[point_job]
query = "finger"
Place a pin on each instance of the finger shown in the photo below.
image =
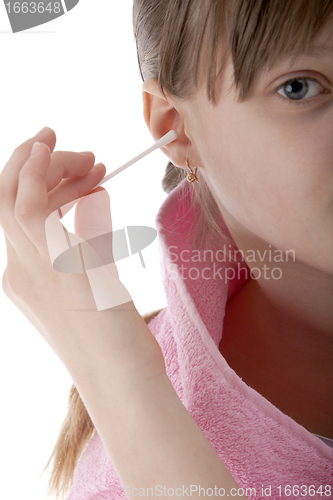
(12, 278)
(66, 164)
(9, 245)
(17, 238)
(59, 240)
(10, 172)
(9, 183)
(70, 190)
(92, 219)
(11, 252)
(31, 206)
(94, 225)
(93, 214)
(31, 210)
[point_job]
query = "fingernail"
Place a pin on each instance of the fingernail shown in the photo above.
(86, 153)
(36, 149)
(43, 131)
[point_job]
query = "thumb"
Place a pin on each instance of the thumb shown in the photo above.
(93, 214)
(93, 224)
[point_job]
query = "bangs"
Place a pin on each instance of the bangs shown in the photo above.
(255, 33)
(264, 31)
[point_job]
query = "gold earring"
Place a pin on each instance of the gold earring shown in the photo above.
(192, 176)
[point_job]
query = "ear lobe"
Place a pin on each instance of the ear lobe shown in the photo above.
(161, 116)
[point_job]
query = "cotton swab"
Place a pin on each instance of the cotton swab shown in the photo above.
(166, 139)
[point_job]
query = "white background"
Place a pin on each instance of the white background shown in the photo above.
(78, 75)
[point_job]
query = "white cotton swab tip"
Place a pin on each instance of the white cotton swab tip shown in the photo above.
(166, 139)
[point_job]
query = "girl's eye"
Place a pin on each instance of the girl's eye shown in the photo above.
(299, 88)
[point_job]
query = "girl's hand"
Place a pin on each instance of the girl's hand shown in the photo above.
(114, 360)
(32, 187)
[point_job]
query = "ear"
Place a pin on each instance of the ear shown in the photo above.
(162, 114)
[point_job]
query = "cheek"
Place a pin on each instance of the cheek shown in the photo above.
(246, 167)
(274, 175)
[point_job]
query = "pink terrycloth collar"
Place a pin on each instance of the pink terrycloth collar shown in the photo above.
(205, 294)
(205, 273)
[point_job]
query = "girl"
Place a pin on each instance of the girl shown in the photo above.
(229, 390)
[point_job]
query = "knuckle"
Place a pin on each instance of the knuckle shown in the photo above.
(28, 171)
(21, 214)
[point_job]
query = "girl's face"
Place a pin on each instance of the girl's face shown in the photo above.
(269, 160)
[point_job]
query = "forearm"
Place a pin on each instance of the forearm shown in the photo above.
(150, 436)
(153, 440)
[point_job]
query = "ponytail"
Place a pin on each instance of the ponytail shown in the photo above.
(75, 433)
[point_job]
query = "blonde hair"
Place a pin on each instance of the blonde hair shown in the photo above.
(75, 433)
(173, 40)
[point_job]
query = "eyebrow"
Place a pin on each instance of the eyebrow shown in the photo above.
(311, 50)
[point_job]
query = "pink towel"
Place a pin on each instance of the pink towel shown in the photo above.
(263, 448)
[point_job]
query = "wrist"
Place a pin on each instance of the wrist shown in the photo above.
(115, 343)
